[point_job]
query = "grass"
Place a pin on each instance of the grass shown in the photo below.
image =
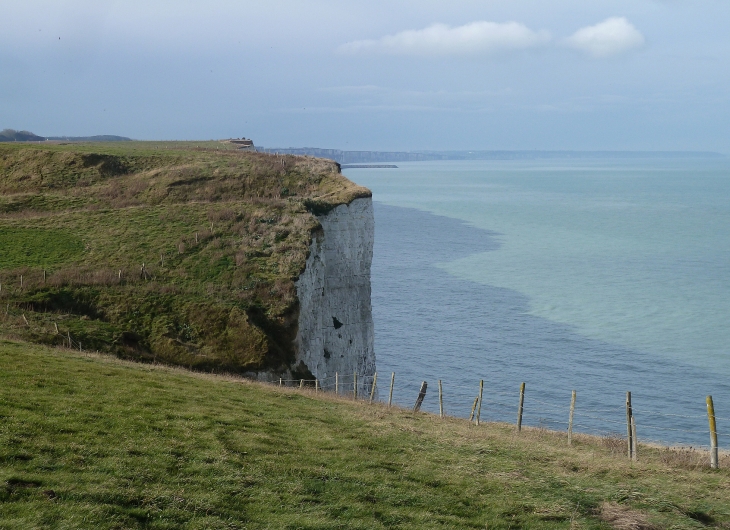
(90, 441)
(33, 247)
(184, 253)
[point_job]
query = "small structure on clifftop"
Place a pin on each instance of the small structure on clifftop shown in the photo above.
(242, 143)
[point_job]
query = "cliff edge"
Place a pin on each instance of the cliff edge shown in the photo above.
(187, 254)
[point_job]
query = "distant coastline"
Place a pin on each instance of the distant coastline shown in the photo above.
(369, 166)
(365, 157)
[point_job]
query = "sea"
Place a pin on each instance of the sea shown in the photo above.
(599, 276)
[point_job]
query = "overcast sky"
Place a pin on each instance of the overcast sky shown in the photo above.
(387, 75)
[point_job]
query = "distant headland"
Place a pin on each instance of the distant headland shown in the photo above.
(11, 135)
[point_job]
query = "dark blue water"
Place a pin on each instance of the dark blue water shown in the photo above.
(432, 325)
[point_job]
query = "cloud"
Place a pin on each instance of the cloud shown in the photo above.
(613, 36)
(475, 38)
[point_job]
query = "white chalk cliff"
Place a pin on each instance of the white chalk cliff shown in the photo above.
(335, 332)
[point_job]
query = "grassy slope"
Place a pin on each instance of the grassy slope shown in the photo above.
(95, 442)
(222, 234)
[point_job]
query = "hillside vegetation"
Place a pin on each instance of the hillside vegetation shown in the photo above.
(89, 441)
(171, 252)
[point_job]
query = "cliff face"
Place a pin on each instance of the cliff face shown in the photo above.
(335, 331)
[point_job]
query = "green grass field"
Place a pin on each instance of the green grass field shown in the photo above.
(89, 441)
(177, 252)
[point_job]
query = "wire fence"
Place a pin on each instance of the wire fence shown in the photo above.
(471, 399)
(483, 404)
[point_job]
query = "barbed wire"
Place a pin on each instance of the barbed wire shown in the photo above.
(656, 427)
(669, 415)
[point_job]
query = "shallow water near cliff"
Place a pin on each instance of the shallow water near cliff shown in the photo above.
(596, 275)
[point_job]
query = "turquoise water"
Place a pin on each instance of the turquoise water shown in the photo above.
(619, 256)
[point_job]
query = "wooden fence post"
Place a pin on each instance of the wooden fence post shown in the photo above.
(714, 461)
(372, 389)
(44, 276)
(479, 405)
(316, 385)
(337, 382)
(280, 381)
(301, 383)
(634, 440)
(441, 400)
(69, 340)
(21, 281)
(354, 385)
(570, 419)
(473, 408)
(421, 395)
(629, 414)
(390, 396)
(519, 410)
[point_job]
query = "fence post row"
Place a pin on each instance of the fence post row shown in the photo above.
(479, 404)
(519, 409)
(421, 395)
(632, 446)
(570, 419)
(714, 462)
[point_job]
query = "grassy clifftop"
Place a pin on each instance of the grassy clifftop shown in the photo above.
(95, 442)
(174, 252)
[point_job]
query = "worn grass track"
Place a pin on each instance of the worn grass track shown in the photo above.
(88, 441)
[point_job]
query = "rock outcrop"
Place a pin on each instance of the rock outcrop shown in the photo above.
(335, 333)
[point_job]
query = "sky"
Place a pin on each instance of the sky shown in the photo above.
(373, 75)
